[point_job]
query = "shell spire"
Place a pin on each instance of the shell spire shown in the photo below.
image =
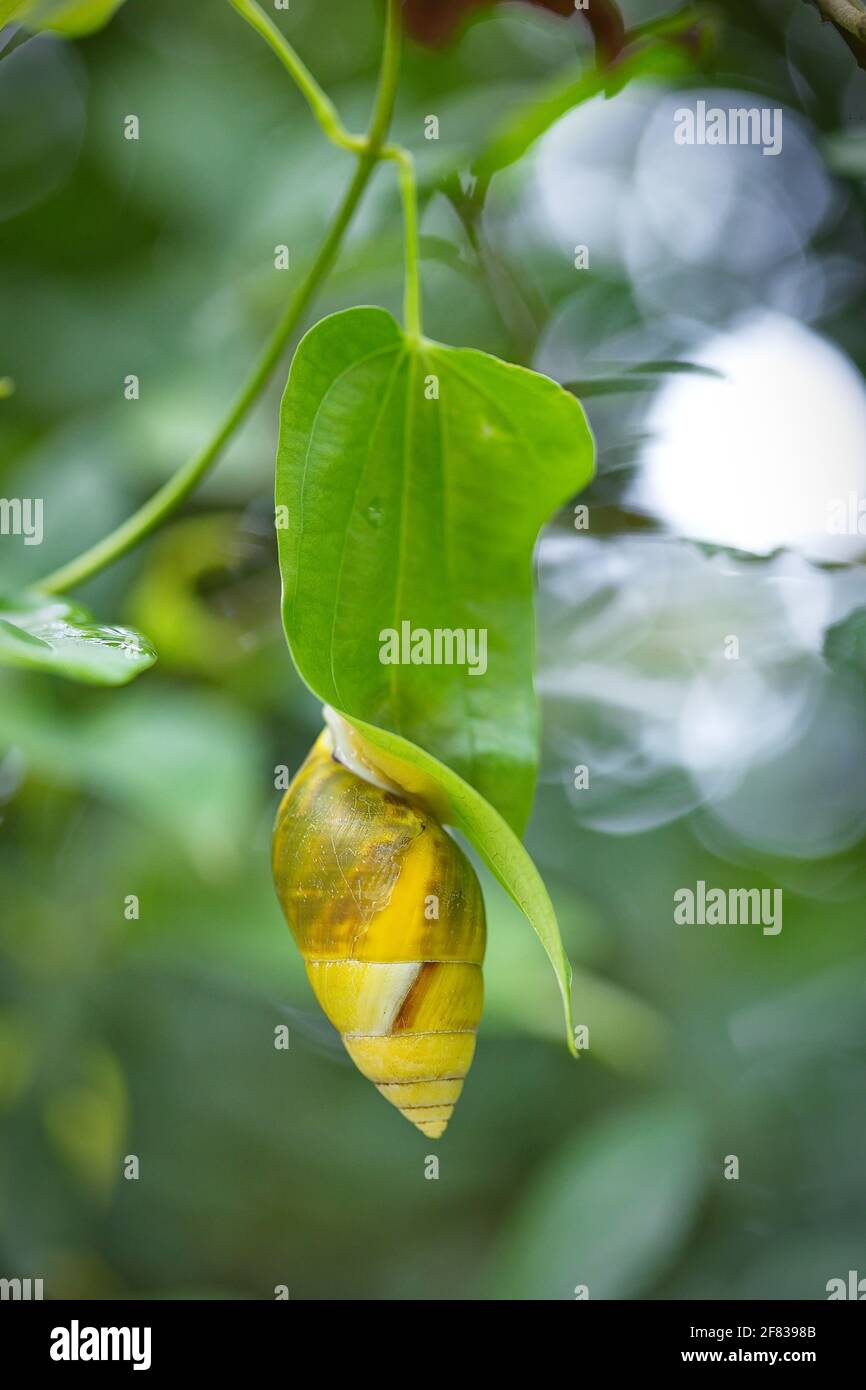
(389, 917)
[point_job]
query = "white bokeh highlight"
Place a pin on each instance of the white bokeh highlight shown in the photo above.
(770, 454)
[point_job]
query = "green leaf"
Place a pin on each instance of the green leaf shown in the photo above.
(185, 762)
(639, 376)
(48, 634)
(667, 51)
(394, 760)
(609, 1211)
(845, 642)
(845, 646)
(72, 18)
(846, 153)
(86, 1120)
(404, 510)
(626, 1034)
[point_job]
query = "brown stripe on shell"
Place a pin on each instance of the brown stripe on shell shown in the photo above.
(412, 1002)
(355, 868)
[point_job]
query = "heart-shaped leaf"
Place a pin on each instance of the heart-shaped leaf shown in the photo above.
(49, 634)
(412, 482)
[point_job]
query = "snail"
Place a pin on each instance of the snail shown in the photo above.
(389, 917)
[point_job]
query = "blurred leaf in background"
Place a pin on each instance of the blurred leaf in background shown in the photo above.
(72, 18)
(609, 1213)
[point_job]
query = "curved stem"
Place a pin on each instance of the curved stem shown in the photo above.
(318, 101)
(172, 493)
(389, 74)
(178, 487)
(409, 193)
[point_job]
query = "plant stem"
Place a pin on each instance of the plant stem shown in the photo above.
(388, 77)
(178, 487)
(509, 299)
(318, 101)
(172, 493)
(409, 194)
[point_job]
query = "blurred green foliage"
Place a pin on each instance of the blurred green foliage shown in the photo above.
(154, 1035)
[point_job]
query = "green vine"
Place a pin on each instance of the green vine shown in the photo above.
(369, 150)
(319, 102)
(409, 194)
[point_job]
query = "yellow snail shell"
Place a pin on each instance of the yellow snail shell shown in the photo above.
(389, 917)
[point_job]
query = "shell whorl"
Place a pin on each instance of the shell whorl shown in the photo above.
(389, 917)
